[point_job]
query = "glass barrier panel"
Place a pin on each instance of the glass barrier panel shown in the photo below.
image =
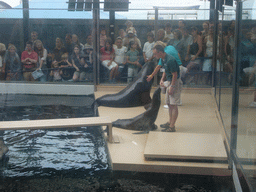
(143, 25)
(219, 61)
(226, 74)
(54, 41)
(246, 136)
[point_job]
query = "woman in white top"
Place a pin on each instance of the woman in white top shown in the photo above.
(207, 64)
(42, 55)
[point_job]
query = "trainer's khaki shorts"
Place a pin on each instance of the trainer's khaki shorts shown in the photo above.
(174, 99)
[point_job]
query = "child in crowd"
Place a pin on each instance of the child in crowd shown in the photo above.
(148, 48)
(66, 67)
(64, 61)
(129, 27)
(56, 72)
(133, 61)
(120, 52)
(103, 37)
(121, 34)
(107, 54)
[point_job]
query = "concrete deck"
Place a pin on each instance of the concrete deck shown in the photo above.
(197, 115)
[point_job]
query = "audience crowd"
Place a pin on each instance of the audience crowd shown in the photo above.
(71, 60)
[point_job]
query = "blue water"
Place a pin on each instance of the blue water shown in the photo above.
(40, 152)
(44, 152)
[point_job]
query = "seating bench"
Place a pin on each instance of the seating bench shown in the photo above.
(59, 123)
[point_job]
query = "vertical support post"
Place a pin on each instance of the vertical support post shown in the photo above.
(235, 91)
(25, 21)
(222, 61)
(215, 46)
(96, 42)
(156, 29)
(112, 25)
(212, 7)
(156, 22)
(110, 133)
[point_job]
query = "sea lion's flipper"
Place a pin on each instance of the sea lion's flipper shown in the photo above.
(154, 127)
(147, 106)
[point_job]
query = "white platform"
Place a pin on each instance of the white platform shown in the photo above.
(186, 146)
(128, 155)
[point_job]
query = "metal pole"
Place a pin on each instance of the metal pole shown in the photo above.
(235, 91)
(95, 34)
(215, 46)
(212, 7)
(222, 61)
(25, 20)
(112, 25)
(156, 29)
(156, 22)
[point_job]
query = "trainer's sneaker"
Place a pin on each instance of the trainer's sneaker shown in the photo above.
(169, 129)
(166, 107)
(252, 104)
(166, 125)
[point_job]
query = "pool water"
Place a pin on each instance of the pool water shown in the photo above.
(74, 159)
(44, 152)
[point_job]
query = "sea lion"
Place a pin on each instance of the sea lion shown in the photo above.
(145, 121)
(3, 149)
(137, 93)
